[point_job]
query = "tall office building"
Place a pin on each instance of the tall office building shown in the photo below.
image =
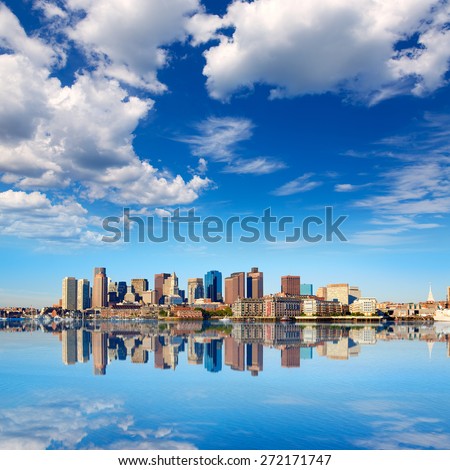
(159, 287)
(338, 292)
(195, 289)
(121, 290)
(255, 287)
(83, 294)
(139, 286)
(69, 293)
(100, 289)
(234, 287)
(290, 285)
(306, 289)
(354, 293)
(322, 293)
(213, 286)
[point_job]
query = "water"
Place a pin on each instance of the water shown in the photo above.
(190, 385)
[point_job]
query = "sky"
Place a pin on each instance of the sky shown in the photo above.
(230, 109)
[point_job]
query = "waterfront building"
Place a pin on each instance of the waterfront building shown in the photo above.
(338, 292)
(306, 289)
(280, 307)
(290, 285)
(148, 297)
(255, 284)
(318, 307)
(234, 287)
(213, 286)
(195, 289)
(248, 308)
(83, 294)
(100, 289)
(364, 306)
(69, 293)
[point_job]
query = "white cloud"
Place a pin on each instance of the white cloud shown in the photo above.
(54, 136)
(299, 185)
(255, 166)
(312, 47)
(126, 39)
(34, 216)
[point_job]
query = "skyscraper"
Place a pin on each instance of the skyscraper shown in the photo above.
(83, 294)
(290, 285)
(100, 289)
(69, 293)
(159, 287)
(213, 286)
(195, 289)
(306, 289)
(255, 287)
(139, 286)
(234, 287)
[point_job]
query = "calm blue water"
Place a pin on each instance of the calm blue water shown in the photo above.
(224, 386)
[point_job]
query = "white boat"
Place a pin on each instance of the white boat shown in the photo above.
(442, 315)
(225, 319)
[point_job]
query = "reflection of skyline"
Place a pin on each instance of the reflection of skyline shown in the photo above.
(239, 347)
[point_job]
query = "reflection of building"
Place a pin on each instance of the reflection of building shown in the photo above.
(195, 351)
(69, 346)
(342, 349)
(290, 285)
(213, 286)
(69, 293)
(234, 287)
(234, 354)
(255, 357)
(83, 345)
(213, 355)
(290, 357)
(99, 352)
(255, 284)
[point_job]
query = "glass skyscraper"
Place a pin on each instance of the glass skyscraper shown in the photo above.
(213, 286)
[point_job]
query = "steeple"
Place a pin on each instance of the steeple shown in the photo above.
(430, 296)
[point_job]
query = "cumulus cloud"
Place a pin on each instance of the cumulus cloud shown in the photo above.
(364, 47)
(104, 33)
(54, 136)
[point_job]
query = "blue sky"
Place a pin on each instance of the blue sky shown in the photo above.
(229, 108)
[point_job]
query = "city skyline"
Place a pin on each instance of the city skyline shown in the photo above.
(182, 109)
